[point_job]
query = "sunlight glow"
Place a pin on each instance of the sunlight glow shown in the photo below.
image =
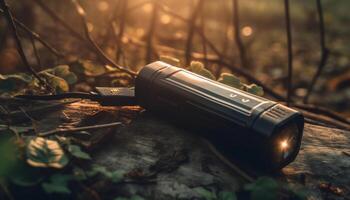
(179, 35)
(147, 8)
(81, 11)
(165, 19)
(103, 6)
(90, 27)
(247, 31)
(125, 39)
(229, 33)
(140, 32)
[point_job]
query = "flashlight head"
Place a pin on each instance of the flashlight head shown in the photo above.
(282, 130)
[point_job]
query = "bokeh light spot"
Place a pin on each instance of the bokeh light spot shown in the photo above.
(247, 31)
(140, 32)
(90, 27)
(165, 19)
(103, 6)
(147, 8)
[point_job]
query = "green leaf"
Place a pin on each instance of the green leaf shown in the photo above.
(58, 184)
(234, 81)
(79, 174)
(170, 60)
(24, 175)
(300, 194)
(254, 89)
(115, 176)
(264, 188)
(14, 82)
(76, 151)
(88, 68)
(230, 80)
(198, 68)
(64, 72)
(206, 194)
(59, 84)
(45, 153)
(97, 169)
(8, 152)
(135, 197)
(227, 196)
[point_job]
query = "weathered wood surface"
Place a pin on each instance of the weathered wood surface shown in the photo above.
(175, 161)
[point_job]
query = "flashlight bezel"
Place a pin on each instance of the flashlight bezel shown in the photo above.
(275, 152)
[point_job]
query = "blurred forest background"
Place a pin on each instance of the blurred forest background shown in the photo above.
(133, 33)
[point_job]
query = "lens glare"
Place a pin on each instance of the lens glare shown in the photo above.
(286, 142)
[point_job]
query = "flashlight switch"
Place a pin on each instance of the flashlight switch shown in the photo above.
(115, 96)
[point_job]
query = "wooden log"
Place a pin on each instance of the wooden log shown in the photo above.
(162, 161)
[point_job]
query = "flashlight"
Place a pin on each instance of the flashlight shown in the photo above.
(253, 127)
(263, 130)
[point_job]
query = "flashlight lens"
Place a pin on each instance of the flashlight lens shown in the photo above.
(285, 143)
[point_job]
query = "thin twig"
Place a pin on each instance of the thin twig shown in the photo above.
(6, 192)
(290, 51)
(89, 41)
(327, 121)
(225, 41)
(218, 60)
(78, 129)
(20, 50)
(111, 22)
(228, 163)
(324, 51)
(191, 29)
(322, 111)
(204, 44)
(138, 5)
(3, 36)
(124, 6)
(57, 19)
(151, 30)
(35, 35)
(237, 28)
(222, 60)
(96, 48)
(34, 122)
(36, 54)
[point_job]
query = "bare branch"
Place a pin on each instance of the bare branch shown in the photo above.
(36, 36)
(324, 52)
(204, 44)
(290, 51)
(96, 48)
(13, 28)
(77, 129)
(35, 52)
(59, 20)
(151, 30)
(89, 41)
(124, 6)
(191, 29)
(237, 28)
(222, 60)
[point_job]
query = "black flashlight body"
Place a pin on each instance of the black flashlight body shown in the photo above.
(261, 129)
